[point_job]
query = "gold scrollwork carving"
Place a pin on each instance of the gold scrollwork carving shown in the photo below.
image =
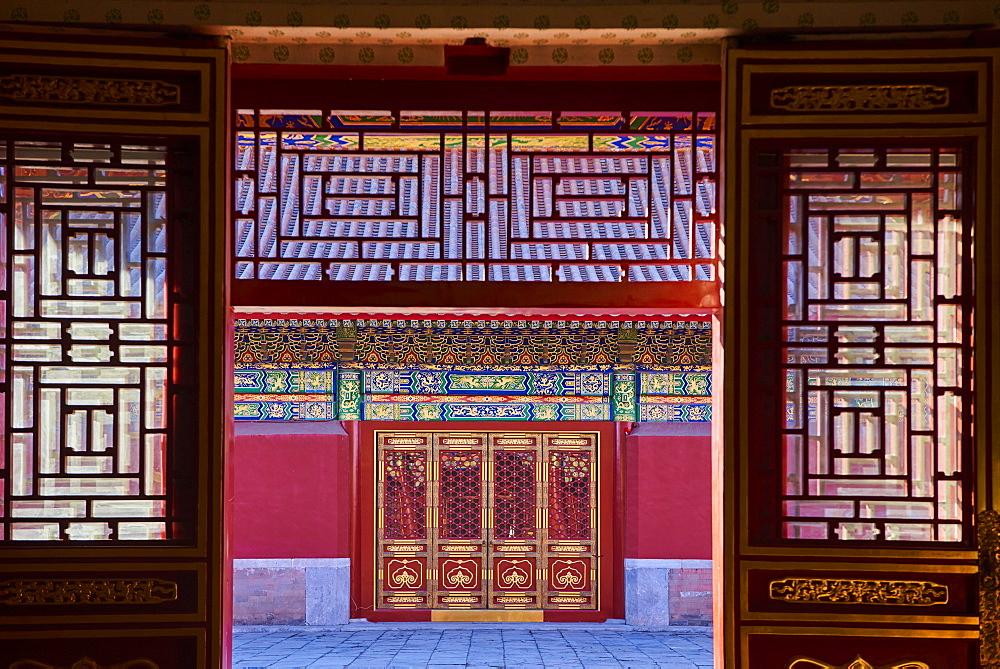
(859, 98)
(857, 663)
(858, 591)
(89, 90)
(87, 663)
(988, 522)
(88, 591)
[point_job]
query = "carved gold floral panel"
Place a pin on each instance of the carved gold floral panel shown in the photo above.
(88, 591)
(859, 98)
(858, 663)
(859, 591)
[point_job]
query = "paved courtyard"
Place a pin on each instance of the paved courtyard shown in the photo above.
(472, 645)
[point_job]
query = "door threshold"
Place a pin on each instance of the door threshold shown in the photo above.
(480, 615)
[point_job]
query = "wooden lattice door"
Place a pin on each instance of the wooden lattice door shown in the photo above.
(857, 414)
(487, 520)
(112, 340)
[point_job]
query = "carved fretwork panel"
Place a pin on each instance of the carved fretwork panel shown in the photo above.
(876, 342)
(475, 196)
(112, 351)
(487, 521)
(858, 356)
(89, 341)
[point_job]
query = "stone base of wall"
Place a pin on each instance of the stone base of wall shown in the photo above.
(668, 592)
(316, 591)
(292, 591)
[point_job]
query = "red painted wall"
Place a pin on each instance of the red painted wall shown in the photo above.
(292, 490)
(668, 491)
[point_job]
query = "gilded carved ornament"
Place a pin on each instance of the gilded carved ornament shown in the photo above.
(87, 663)
(89, 90)
(859, 98)
(87, 591)
(858, 591)
(857, 663)
(988, 523)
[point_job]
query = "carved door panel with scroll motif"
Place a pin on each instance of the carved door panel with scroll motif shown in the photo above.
(856, 429)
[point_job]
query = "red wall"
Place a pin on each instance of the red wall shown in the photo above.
(292, 490)
(668, 491)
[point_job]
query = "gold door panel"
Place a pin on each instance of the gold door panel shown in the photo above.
(477, 520)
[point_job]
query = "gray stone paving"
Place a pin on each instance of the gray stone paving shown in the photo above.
(472, 645)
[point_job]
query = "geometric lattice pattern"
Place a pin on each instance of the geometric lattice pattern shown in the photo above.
(404, 494)
(460, 494)
(466, 521)
(569, 495)
(877, 335)
(472, 370)
(515, 494)
(88, 347)
(474, 196)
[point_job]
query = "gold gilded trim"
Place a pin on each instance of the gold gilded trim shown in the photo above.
(89, 90)
(989, 588)
(858, 591)
(858, 663)
(87, 663)
(88, 591)
(921, 97)
(485, 615)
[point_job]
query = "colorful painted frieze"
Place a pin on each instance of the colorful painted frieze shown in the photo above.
(471, 370)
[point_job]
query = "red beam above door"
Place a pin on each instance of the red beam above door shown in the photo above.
(262, 293)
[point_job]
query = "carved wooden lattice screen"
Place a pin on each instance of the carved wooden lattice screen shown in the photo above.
(88, 339)
(475, 196)
(877, 337)
(112, 366)
(487, 521)
(859, 214)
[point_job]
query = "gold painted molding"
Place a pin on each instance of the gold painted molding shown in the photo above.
(492, 616)
(988, 522)
(859, 98)
(87, 591)
(87, 663)
(858, 663)
(858, 591)
(89, 90)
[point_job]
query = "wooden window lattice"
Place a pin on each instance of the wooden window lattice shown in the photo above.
(88, 344)
(877, 336)
(475, 196)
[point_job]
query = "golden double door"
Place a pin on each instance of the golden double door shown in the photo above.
(476, 520)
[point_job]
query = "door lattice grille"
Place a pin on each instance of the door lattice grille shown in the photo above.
(876, 336)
